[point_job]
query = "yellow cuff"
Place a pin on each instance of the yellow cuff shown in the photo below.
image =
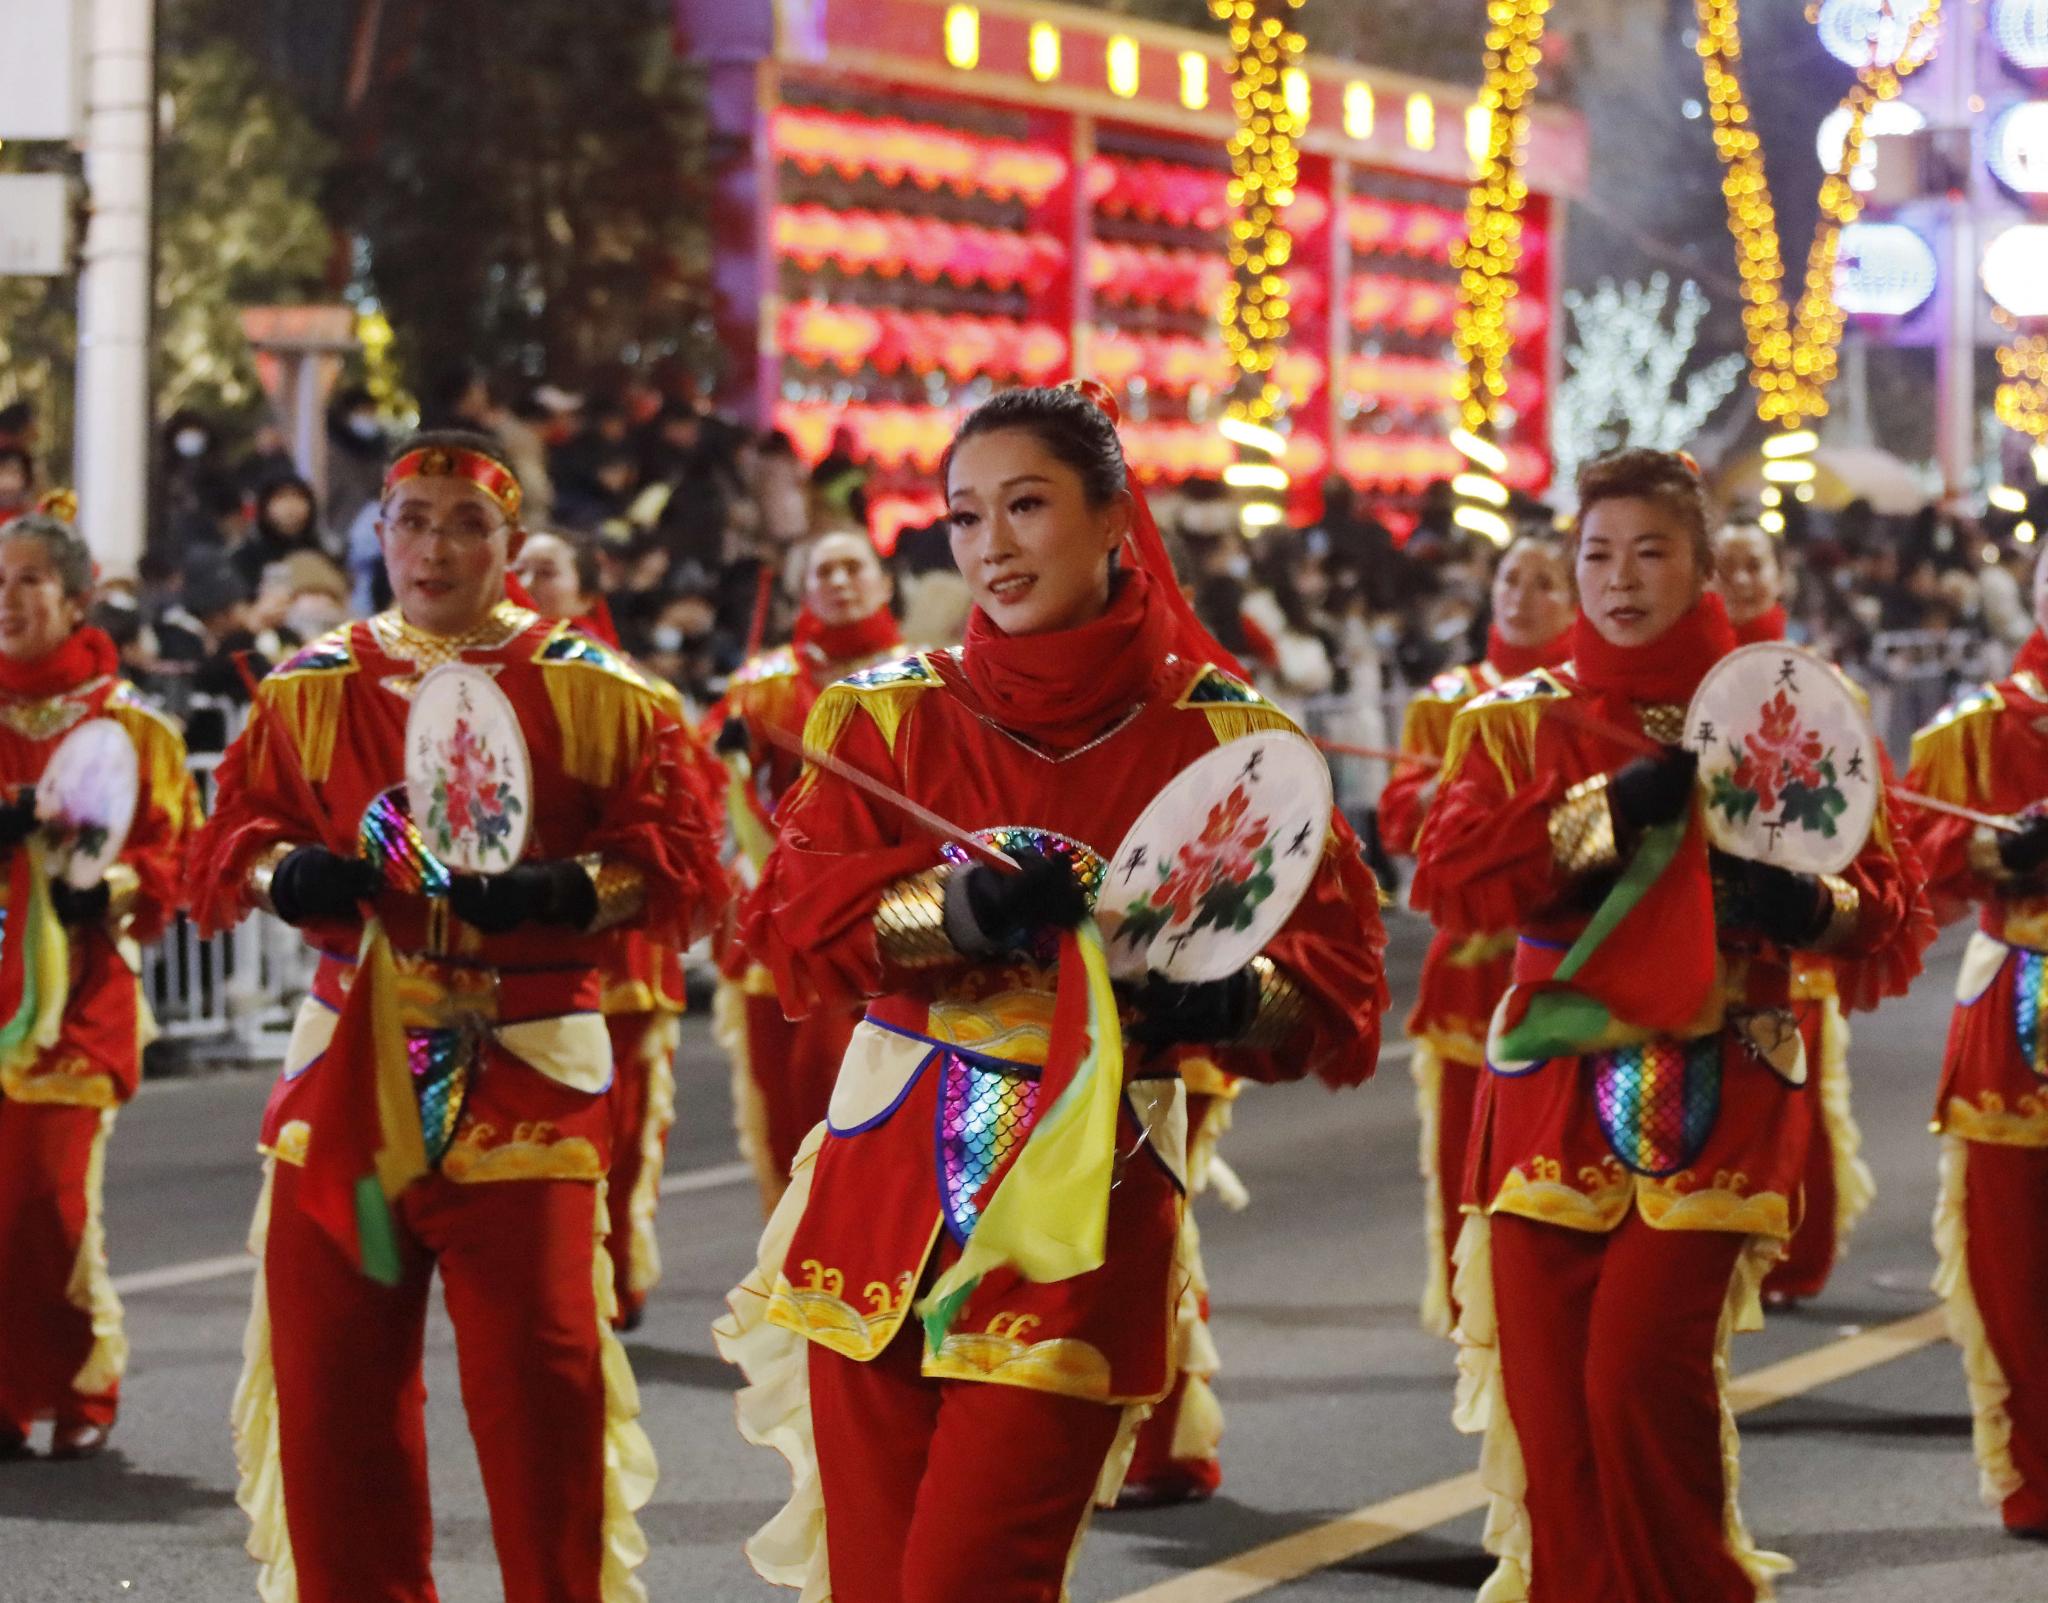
(256, 889)
(1281, 1012)
(621, 891)
(124, 886)
(1845, 914)
(1582, 829)
(910, 922)
(1983, 857)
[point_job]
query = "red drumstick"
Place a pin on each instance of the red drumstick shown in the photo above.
(1338, 748)
(2005, 826)
(944, 828)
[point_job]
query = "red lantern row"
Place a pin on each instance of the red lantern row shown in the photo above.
(1185, 197)
(1174, 364)
(1402, 228)
(1179, 280)
(921, 154)
(891, 244)
(1409, 462)
(1421, 306)
(852, 337)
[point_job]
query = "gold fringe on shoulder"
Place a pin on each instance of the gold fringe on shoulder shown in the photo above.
(886, 704)
(1504, 730)
(1234, 720)
(311, 705)
(160, 753)
(605, 719)
(1952, 756)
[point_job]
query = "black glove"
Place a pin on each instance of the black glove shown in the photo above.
(1192, 1012)
(527, 893)
(1653, 790)
(2026, 853)
(74, 906)
(315, 883)
(733, 739)
(17, 819)
(1779, 904)
(1007, 909)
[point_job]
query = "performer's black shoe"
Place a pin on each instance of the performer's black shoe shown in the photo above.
(14, 1443)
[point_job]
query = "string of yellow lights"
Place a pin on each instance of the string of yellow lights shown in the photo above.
(2022, 399)
(1270, 97)
(1792, 349)
(1489, 255)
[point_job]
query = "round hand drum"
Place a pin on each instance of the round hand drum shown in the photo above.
(1218, 861)
(1789, 768)
(468, 779)
(86, 801)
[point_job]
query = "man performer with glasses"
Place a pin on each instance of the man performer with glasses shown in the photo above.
(444, 1096)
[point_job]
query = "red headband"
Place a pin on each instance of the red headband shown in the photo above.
(455, 461)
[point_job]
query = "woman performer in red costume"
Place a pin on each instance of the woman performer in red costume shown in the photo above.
(643, 984)
(958, 1460)
(1988, 751)
(1462, 979)
(62, 1349)
(1838, 1185)
(1638, 1144)
(782, 1067)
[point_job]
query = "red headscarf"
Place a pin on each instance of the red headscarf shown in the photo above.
(1668, 669)
(826, 643)
(86, 654)
(1765, 626)
(1513, 661)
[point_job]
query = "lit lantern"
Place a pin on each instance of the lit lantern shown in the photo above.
(2018, 151)
(1885, 119)
(1358, 110)
(1194, 79)
(2012, 270)
(1044, 51)
(963, 37)
(1883, 270)
(1123, 65)
(1421, 122)
(1876, 32)
(2021, 29)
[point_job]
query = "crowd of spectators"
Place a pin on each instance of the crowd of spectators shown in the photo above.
(694, 522)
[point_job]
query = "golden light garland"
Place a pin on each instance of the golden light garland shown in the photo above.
(1265, 164)
(2022, 399)
(1792, 350)
(1491, 251)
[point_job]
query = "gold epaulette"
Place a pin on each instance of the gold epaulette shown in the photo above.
(307, 689)
(1502, 722)
(1234, 709)
(1952, 754)
(768, 665)
(604, 706)
(884, 692)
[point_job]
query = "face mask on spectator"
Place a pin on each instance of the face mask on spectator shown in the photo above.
(365, 426)
(665, 637)
(190, 442)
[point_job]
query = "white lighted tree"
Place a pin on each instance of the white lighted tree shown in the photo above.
(1624, 372)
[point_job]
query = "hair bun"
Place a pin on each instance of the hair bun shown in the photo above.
(61, 504)
(1098, 392)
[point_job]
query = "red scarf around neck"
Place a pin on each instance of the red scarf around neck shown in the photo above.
(1066, 686)
(828, 644)
(2033, 656)
(1765, 626)
(1668, 669)
(1513, 661)
(86, 654)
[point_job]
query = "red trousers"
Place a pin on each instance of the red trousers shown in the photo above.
(1810, 1254)
(1607, 1347)
(516, 1261)
(46, 1152)
(1457, 1097)
(2005, 1209)
(794, 1062)
(643, 1105)
(945, 1491)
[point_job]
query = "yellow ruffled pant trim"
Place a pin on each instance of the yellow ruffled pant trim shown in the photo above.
(1998, 1477)
(1855, 1185)
(629, 1467)
(90, 1288)
(749, 1112)
(259, 1486)
(1481, 1409)
(643, 1253)
(774, 1408)
(1426, 1067)
(1744, 1310)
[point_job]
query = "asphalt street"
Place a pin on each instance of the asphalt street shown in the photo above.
(1336, 1401)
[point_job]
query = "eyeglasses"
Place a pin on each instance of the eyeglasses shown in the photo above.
(465, 524)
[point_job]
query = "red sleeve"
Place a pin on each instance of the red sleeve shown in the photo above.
(254, 808)
(1409, 791)
(1484, 862)
(811, 918)
(1333, 948)
(659, 820)
(1895, 921)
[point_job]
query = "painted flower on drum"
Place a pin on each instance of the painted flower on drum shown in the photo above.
(1215, 881)
(1781, 770)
